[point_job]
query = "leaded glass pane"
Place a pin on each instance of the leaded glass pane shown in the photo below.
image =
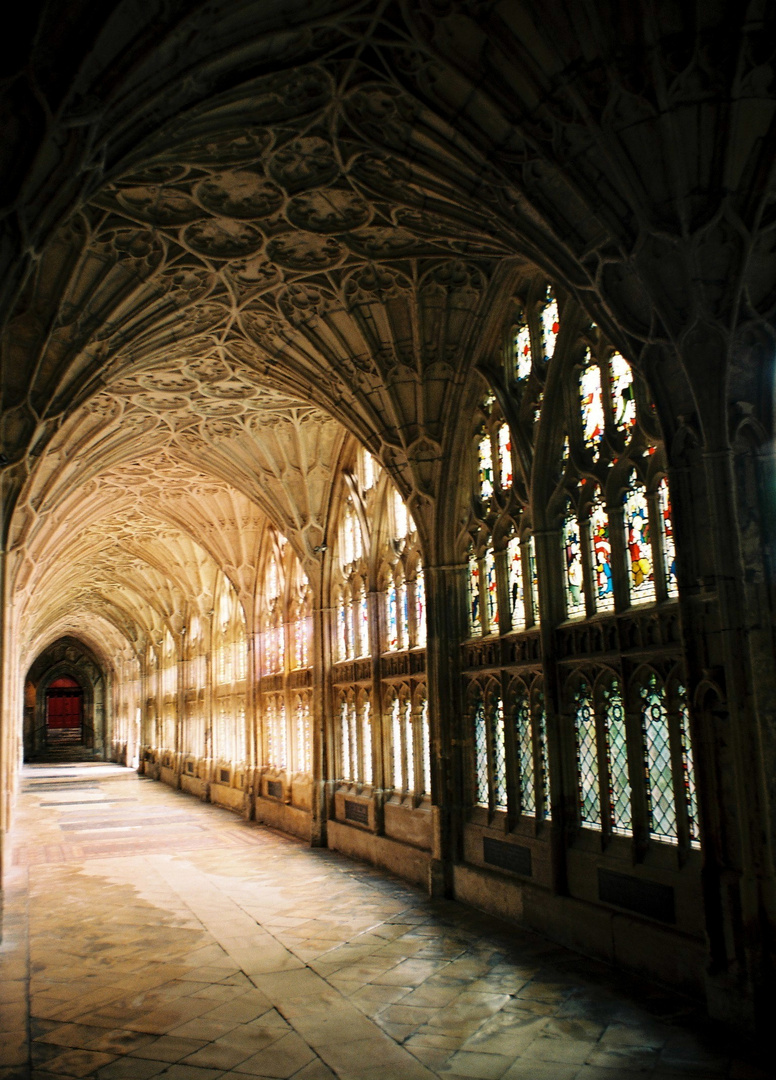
(420, 607)
(525, 755)
(481, 754)
(345, 740)
(666, 525)
(426, 741)
(282, 739)
(409, 744)
(587, 758)
(398, 772)
(516, 598)
(533, 578)
(491, 591)
(602, 556)
(342, 628)
(475, 621)
(403, 616)
(400, 516)
(393, 631)
(572, 549)
(505, 457)
(367, 470)
(485, 467)
(592, 406)
(688, 769)
(637, 539)
(623, 400)
(366, 740)
(617, 752)
(657, 761)
(499, 752)
(362, 636)
(523, 358)
(353, 731)
(550, 325)
(540, 722)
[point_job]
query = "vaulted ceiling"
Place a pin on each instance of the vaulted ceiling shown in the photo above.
(239, 231)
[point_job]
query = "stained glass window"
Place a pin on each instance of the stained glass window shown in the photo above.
(516, 598)
(540, 725)
(635, 514)
(688, 769)
(657, 761)
(398, 772)
(572, 548)
(602, 556)
(592, 405)
(498, 740)
(505, 457)
(367, 470)
(525, 757)
(550, 324)
(420, 607)
(533, 577)
(343, 627)
(481, 753)
(403, 615)
(426, 744)
(587, 758)
(623, 399)
(352, 541)
(362, 616)
(669, 551)
(345, 740)
(393, 631)
(491, 589)
(400, 516)
(523, 358)
(303, 747)
(617, 753)
(475, 620)
(366, 740)
(485, 466)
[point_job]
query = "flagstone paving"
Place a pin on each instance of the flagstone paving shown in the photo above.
(146, 935)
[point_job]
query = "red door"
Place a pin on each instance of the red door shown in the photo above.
(64, 704)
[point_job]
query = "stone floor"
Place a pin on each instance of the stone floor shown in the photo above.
(146, 934)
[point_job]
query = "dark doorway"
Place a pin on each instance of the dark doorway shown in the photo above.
(64, 713)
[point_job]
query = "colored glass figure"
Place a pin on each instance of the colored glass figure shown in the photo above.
(523, 357)
(491, 590)
(587, 758)
(635, 515)
(498, 738)
(420, 607)
(533, 580)
(516, 597)
(538, 407)
(575, 595)
(592, 406)
(617, 754)
(400, 516)
(505, 457)
(475, 621)
(425, 733)
(540, 720)
(409, 744)
(485, 467)
(623, 399)
(602, 556)
(404, 616)
(481, 754)
(393, 632)
(345, 740)
(366, 740)
(688, 770)
(398, 772)
(363, 623)
(525, 755)
(657, 761)
(342, 628)
(550, 325)
(666, 525)
(566, 449)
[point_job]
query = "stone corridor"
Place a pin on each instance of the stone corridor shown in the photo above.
(146, 934)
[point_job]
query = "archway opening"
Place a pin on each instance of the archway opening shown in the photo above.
(64, 713)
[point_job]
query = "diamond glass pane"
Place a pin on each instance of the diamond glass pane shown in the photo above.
(491, 590)
(688, 769)
(623, 400)
(345, 741)
(353, 724)
(426, 740)
(525, 755)
(398, 774)
(366, 741)
(523, 358)
(499, 752)
(617, 763)
(587, 759)
(657, 762)
(515, 569)
(481, 754)
(635, 515)
(550, 324)
(666, 525)
(602, 556)
(592, 406)
(572, 550)
(540, 727)
(409, 744)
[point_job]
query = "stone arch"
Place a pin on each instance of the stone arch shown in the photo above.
(72, 658)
